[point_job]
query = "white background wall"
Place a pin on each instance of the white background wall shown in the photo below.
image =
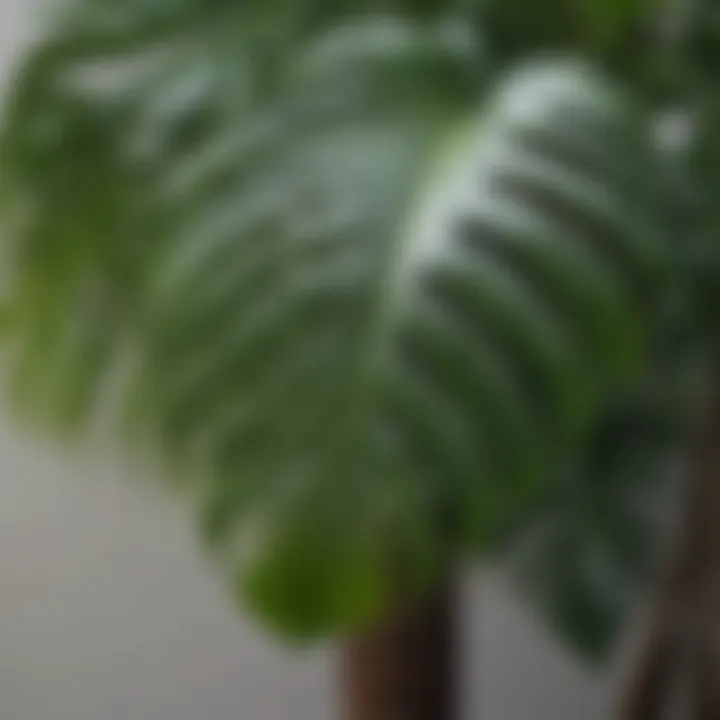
(107, 611)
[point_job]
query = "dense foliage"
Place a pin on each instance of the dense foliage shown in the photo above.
(380, 286)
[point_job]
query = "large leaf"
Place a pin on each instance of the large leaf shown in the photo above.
(585, 564)
(107, 184)
(347, 390)
(98, 121)
(362, 363)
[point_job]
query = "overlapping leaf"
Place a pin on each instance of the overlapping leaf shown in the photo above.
(584, 563)
(361, 363)
(602, 540)
(191, 157)
(358, 387)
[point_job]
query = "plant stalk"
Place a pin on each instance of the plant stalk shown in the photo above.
(406, 668)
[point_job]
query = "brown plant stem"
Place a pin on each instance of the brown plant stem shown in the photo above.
(406, 668)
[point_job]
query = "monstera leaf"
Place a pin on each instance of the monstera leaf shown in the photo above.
(362, 323)
(100, 129)
(584, 565)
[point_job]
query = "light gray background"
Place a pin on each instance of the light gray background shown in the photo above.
(108, 612)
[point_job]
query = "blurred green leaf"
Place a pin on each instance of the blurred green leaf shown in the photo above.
(369, 310)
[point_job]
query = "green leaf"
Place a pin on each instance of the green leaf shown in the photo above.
(448, 367)
(587, 559)
(360, 351)
(584, 565)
